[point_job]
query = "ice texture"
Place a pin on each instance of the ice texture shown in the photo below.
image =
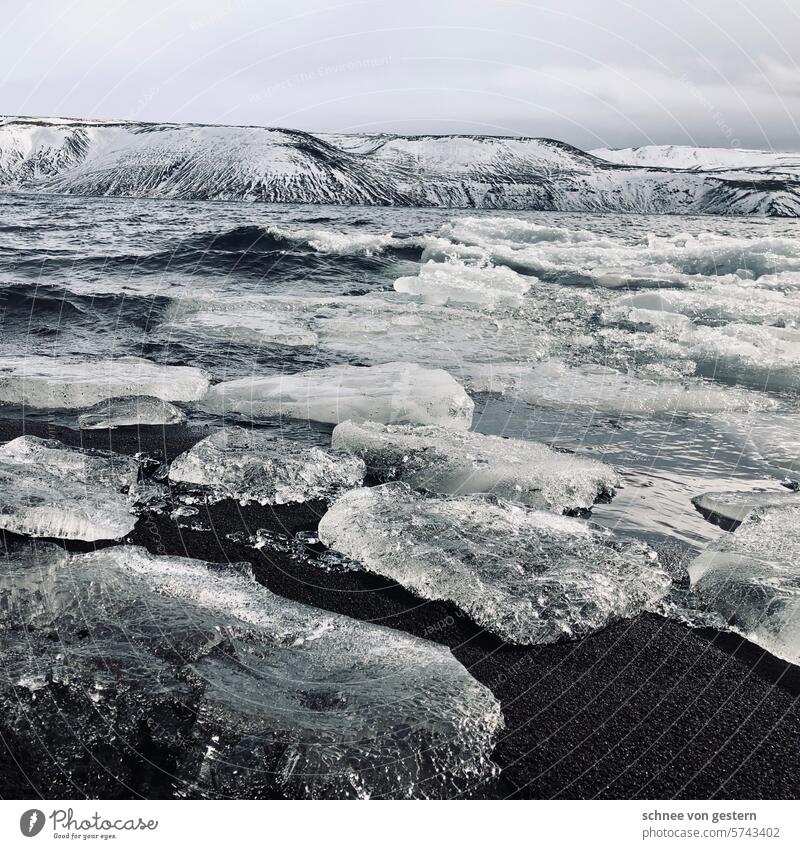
(455, 282)
(752, 579)
(282, 699)
(50, 490)
(262, 466)
(555, 384)
(732, 507)
(444, 461)
(391, 392)
(132, 410)
(256, 328)
(70, 383)
(384, 329)
(529, 576)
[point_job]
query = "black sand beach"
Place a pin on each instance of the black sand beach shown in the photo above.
(644, 709)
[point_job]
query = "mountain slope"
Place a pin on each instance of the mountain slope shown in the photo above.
(212, 162)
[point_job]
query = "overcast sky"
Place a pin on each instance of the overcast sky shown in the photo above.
(591, 72)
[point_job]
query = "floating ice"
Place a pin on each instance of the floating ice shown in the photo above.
(529, 576)
(69, 383)
(384, 329)
(606, 390)
(752, 579)
(456, 282)
(579, 257)
(730, 508)
(258, 328)
(133, 410)
(727, 303)
(263, 466)
(50, 490)
(392, 392)
(276, 696)
(441, 460)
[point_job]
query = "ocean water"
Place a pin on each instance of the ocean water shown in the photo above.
(657, 344)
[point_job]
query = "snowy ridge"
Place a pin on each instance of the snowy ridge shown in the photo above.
(195, 161)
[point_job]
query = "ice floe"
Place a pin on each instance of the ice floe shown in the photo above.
(731, 508)
(752, 579)
(274, 696)
(256, 328)
(529, 576)
(132, 410)
(455, 282)
(441, 460)
(262, 466)
(50, 490)
(70, 383)
(554, 384)
(391, 392)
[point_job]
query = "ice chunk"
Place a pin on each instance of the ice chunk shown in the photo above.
(256, 328)
(455, 282)
(444, 461)
(752, 579)
(50, 490)
(69, 383)
(373, 329)
(282, 698)
(392, 392)
(554, 384)
(529, 576)
(262, 466)
(132, 410)
(730, 508)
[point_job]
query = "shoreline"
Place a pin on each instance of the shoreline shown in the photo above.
(646, 708)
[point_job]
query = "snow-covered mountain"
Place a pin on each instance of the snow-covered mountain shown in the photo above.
(685, 157)
(212, 162)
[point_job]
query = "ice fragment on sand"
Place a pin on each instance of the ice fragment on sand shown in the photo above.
(262, 466)
(444, 461)
(392, 392)
(529, 576)
(69, 383)
(129, 411)
(729, 508)
(50, 490)
(283, 698)
(752, 579)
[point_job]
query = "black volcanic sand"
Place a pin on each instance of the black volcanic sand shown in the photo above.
(644, 709)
